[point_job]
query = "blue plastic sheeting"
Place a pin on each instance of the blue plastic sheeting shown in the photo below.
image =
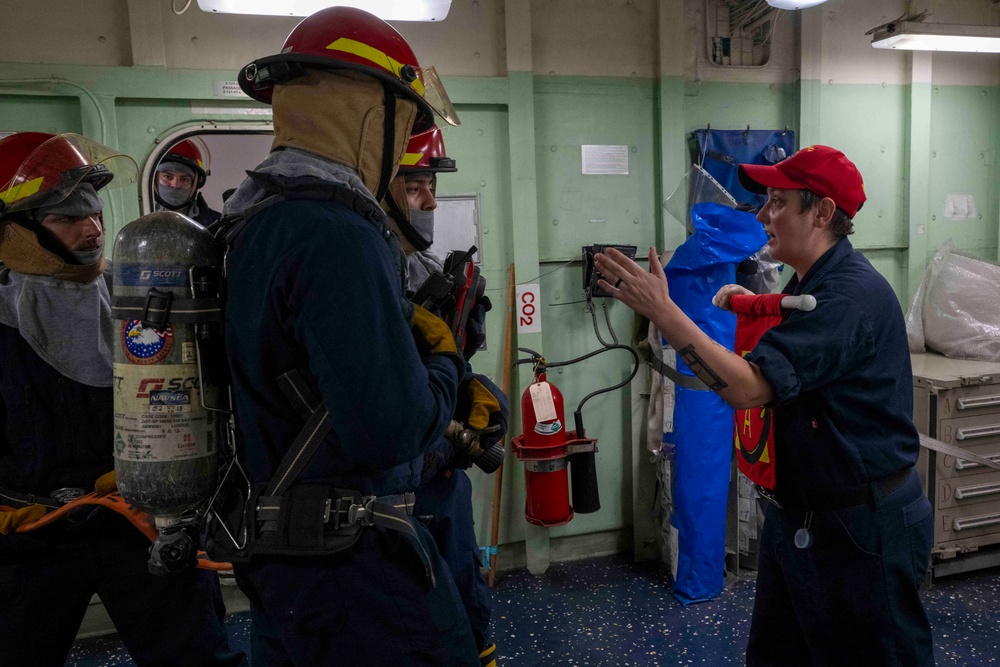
(720, 151)
(703, 422)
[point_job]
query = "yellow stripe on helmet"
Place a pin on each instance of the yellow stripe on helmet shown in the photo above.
(370, 53)
(21, 191)
(410, 159)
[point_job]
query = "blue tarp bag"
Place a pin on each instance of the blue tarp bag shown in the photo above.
(721, 151)
(703, 423)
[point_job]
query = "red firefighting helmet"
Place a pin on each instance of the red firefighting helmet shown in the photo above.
(425, 153)
(349, 38)
(195, 154)
(41, 169)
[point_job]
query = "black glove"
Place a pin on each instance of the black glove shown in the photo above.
(475, 327)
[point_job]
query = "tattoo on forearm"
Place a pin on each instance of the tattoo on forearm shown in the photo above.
(701, 370)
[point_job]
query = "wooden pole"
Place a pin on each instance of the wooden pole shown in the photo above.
(505, 387)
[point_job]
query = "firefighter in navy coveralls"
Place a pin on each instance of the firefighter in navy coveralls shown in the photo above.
(339, 572)
(444, 499)
(847, 537)
(180, 176)
(56, 427)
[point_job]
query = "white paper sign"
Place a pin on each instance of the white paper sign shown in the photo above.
(598, 159)
(228, 89)
(456, 225)
(960, 207)
(529, 311)
(542, 402)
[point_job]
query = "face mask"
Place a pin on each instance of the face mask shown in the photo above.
(423, 223)
(85, 257)
(173, 196)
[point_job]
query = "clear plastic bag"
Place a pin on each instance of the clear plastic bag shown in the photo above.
(954, 311)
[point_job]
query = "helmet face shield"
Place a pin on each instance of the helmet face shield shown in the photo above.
(58, 165)
(437, 97)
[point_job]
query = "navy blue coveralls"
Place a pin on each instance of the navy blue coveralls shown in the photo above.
(57, 433)
(444, 505)
(314, 286)
(845, 447)
(206, 216)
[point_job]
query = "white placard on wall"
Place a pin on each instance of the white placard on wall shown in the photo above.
(529, 309)
(456, 225)
(599, 159)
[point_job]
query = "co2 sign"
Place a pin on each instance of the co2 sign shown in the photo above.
(529, 309)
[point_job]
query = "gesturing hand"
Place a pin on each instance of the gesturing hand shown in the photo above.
(645, 292)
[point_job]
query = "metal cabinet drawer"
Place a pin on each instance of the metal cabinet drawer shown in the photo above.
(967, 527)
(949, 466)
(968, 401)
(980, 434)
(968, 489)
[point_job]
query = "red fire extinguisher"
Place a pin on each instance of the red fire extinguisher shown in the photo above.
(546, 448)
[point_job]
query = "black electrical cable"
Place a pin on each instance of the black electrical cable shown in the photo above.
(537, 359)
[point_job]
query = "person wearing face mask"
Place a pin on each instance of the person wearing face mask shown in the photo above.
(56, 427)
(180, 176)
(444, 498)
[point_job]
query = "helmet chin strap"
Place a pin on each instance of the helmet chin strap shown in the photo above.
(388, 143)
(402, 219)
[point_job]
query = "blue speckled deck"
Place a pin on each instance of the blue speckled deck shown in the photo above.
(611, 612)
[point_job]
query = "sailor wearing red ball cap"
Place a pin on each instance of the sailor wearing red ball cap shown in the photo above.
(847, 536)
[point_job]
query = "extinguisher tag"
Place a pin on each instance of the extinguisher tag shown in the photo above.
(541, 400)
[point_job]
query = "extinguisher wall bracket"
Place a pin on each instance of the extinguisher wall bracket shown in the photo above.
(579, 445)
(156, 312)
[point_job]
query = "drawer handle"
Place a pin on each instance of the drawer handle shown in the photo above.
(976, 490)
(962, 464)
(978, 402)
(976, 522)
(977, 432)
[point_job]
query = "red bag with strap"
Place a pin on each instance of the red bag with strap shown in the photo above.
(753, 433)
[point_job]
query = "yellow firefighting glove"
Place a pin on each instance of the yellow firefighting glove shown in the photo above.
(433, 331)
(483, 404)
(485, 411)
(106, 483)
(11, 518)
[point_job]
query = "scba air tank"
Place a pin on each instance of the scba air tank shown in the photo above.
(166, 440)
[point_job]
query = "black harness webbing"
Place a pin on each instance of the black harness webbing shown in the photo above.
(159, 309)
(19, 500)
(391, 512)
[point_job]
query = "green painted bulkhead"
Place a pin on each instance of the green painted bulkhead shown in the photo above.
(533, 81)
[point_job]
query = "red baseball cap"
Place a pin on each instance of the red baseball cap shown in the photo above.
(820, 169)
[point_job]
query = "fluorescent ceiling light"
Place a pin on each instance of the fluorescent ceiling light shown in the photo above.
(913, 36)
(794, 4)
(388, 10)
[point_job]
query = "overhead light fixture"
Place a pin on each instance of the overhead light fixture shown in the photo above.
(387, 10)
(917, 36)
(794, 4)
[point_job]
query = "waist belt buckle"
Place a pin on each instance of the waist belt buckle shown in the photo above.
(363, 513)
(339, 511)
